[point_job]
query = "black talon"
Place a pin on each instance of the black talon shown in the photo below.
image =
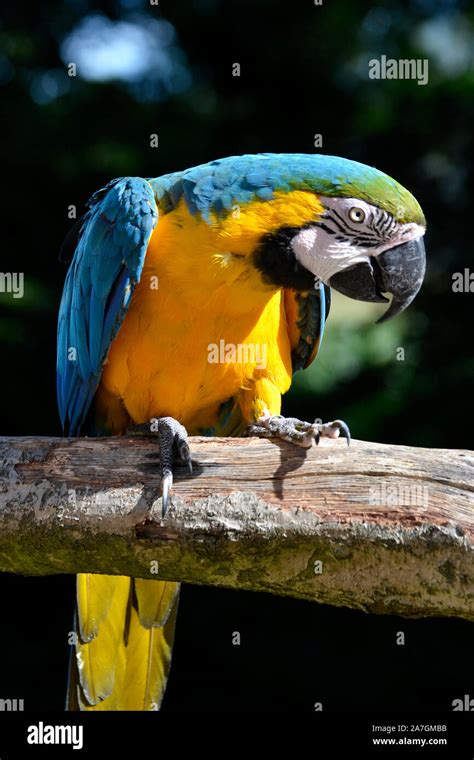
(344, 431)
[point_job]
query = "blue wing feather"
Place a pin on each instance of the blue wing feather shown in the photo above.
(107, 264)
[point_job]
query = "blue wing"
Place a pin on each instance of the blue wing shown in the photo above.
(105, 269)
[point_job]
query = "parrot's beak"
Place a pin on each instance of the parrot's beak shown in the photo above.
(399, 271)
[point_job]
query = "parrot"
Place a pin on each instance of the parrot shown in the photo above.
(163, 273)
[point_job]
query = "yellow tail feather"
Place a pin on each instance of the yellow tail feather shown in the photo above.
(102, 607)
(124, 638)
(155, 601)
(95, 594)
(148, 663)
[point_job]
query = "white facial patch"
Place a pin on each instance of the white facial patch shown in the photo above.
(354, 222)
(319, 253)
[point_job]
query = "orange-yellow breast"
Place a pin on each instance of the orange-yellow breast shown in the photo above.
(202, 326)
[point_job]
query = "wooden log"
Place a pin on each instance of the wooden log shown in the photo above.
(386, 529)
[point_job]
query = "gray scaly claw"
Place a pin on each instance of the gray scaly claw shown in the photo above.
(172, 437)
(299, 432)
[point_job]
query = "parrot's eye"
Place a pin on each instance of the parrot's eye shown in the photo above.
(356, 214)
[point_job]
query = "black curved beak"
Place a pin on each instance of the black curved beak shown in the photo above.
(399, 271)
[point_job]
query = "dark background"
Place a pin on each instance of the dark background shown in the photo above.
(167, 70)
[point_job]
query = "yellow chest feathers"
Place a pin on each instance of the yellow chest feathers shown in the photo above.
(201, 326)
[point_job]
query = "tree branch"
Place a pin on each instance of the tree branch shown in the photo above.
(387, 529)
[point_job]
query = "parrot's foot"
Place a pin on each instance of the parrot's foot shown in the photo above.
(296, 431)
(172, 437)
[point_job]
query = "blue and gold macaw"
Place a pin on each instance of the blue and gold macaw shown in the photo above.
(242, 252)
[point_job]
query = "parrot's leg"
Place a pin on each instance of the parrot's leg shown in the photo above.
(296, 431)
(172, 437)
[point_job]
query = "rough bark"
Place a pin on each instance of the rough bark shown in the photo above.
(387, 529)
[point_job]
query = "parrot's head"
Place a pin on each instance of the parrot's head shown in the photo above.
(365, 240)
